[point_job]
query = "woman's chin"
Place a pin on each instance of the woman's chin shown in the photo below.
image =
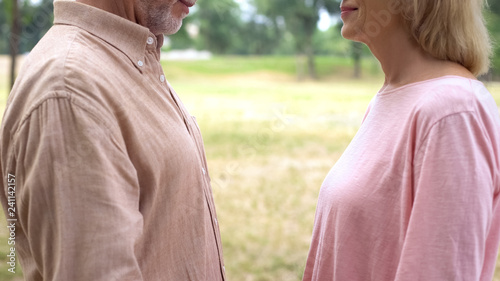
(350, 34)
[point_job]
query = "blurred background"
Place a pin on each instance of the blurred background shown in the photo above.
(278, 95)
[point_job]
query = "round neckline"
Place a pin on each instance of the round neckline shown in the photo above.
(451, 76)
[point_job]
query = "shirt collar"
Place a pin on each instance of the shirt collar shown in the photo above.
(127, 36)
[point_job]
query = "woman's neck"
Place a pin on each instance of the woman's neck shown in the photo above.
(404, 62)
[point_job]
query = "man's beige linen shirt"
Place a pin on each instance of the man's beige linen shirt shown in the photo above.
(110, 169)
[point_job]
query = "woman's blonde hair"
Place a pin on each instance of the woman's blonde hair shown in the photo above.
(451, 30)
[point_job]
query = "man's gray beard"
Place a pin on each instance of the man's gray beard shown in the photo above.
(160, 21)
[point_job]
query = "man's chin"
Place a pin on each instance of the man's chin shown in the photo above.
(169, 28)
(174, 30)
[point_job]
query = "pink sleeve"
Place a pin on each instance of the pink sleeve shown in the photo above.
(452, 209)
(368, 109)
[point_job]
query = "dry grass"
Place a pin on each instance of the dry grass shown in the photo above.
(270, 141)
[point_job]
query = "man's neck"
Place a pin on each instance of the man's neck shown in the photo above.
(123, 8)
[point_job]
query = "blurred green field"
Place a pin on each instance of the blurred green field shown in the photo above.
(270, 141)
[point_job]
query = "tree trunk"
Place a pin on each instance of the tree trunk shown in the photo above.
(14, 41)
(357, 50)
(301, 61)
(311, 65)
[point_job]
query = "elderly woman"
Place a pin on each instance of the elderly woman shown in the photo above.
(415, 196)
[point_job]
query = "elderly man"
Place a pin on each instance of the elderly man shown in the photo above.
(104, 170)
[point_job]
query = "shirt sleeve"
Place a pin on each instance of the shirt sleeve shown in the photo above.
(452, 210)
(78, 195)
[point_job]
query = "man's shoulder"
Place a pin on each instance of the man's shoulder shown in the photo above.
(69, 51)
(67, 63)
(69, 58)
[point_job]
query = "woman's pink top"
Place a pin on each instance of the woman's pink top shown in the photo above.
(415, 196)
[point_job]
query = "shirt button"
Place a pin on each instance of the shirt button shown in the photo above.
(216, 222)
(224, 268)
(140, 63)
(150, 40)
(162, 78)
(203, 170)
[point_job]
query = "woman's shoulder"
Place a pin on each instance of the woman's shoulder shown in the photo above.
(450, 95)
(442, 96)
(425, 103)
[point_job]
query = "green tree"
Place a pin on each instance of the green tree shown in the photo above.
(493, 21)
(300, 18)
(36, 20)
(23, 25)
(182, 39)
(4, 28)
(14, 18)
(494, 5)
(330, 42)
(219, 24)
(258, 37)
